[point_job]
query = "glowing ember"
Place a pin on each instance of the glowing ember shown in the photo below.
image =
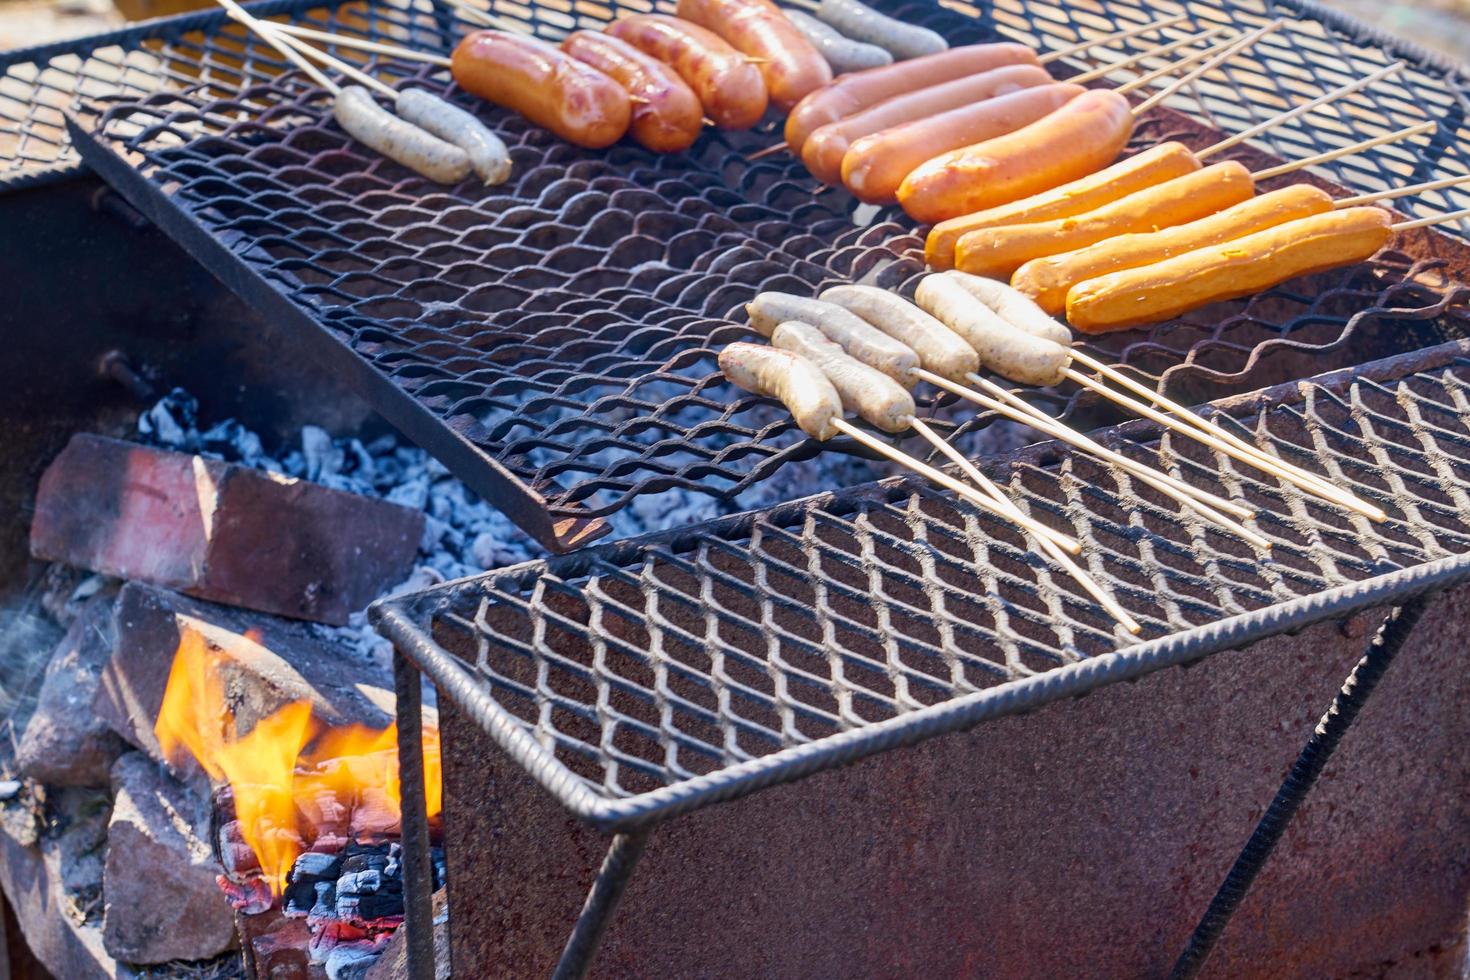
(274, 777)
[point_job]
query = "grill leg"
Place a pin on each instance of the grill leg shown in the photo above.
(1299, 782)
(418, 872)
(602, 899)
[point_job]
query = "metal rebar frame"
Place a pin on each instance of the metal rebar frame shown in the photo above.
(641, 680)
(552, 341)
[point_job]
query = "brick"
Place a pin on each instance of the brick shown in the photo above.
(162, 902)
(221, 532)
(64, 743)
(279, 662)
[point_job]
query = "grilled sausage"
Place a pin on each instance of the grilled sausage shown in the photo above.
(1080, 138)
(866, 391)
(397, 139)
(791, 66)
(1246, 265)
(556, 92)
(939, 348)
(854, 334)
(1047, 280)
(860, 90)
(730, 88)
(1014, 307)
(668, 116)
(797, 383)
(998, 252)
(1145, 169)
(843, 54)
(1003, 349)
(876, 165)
(824, 149)
(488, 156)
(857, 20)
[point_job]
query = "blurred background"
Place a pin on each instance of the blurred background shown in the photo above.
(1443, 25)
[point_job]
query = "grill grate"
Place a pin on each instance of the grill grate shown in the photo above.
(654, 675)
(553, 341)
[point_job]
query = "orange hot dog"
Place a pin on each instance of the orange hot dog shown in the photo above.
(1080, 138)
(1166, 289)
(998, 252)
(1145, 169)
(875, 166)
(792, 67)
(824, 149)
(730, 88)
(670, 117)
(861, 89)
(575, 101)
(1048, 280)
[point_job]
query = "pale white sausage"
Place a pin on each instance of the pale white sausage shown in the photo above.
(1014, 307)
(940, 349)
(869, 393)
(1002, 349)
(863, 23)
(842, 52)
(852, 333)
(397, 139)
(487, 153)
(797, 383)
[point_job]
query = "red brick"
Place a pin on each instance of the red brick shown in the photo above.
(220, 532)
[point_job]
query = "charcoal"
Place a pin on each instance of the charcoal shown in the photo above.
(250, 896)
(314, 867)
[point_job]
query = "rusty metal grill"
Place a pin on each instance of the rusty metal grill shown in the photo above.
(638, 679)
(552, 341)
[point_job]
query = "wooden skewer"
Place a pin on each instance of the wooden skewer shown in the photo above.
(1428, 185)
(361, 77)
(1426, 222)
(1158, 52)
(239, 13)
(1206, 434)
(1204, 503)
(362, 44)
(1038, 529)
(1078, 48)
(1345, 151)
(768, 151)
(1230, 51)
(1295, 111)
(1184, 62)
(980, 500)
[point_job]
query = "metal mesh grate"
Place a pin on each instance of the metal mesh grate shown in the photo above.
(639, 673)
(553, 340)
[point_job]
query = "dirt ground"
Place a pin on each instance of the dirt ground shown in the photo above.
(1440, 24)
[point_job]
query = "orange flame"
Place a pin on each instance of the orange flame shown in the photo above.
(276, 783)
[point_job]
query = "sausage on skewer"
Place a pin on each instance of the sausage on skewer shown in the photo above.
(865, 391)
(397, 139)
(842, 52)
(860, 90)
(794, 381)
(1048, 280)
(1018, 356)
(938, 348)
(551, 89)
(668, 116)
(858, 20)
(788, 62)
(488, 154)
(770, 309)
(1236, 268)
(1080, 138)
(824, 149)
(875, 166)
(1013, 306)
(998, 252)
(730, 88)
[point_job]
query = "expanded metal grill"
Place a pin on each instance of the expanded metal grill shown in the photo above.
(642, 678)
(553, 340)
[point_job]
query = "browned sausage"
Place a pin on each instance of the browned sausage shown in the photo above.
(1081, 137)
(876, 165)
(575, 101)
(668, 117)
(790, 64)
(862, 89)
(824, 149)
(730, 88)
